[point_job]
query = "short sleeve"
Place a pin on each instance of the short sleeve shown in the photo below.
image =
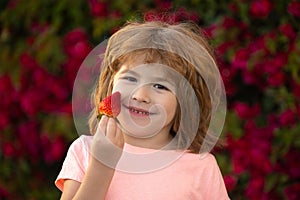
(75, 163)
(210, 180)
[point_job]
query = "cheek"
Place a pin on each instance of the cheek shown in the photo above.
(171, 107)
(174, 108)
(124, 89)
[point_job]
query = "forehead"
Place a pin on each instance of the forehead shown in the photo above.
(153, 63)
(150, 70)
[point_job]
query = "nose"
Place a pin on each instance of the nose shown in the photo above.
(142, 95)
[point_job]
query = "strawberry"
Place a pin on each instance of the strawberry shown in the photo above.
(110, 105)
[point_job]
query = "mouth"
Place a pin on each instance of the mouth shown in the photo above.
(138, 111)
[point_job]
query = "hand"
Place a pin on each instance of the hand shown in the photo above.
(108, 142)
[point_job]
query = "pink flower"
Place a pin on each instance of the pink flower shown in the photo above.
(296, 89)
(98, 8)
(56, 89)
(29, 140)
(115, 14)
(8, 101)
(222, 48)
(259, 44)
(28, 61)
(66, 108)
(240, 163)
(255, 188)
(230, 182)
(229, 22)
(238, 149)
(80, 49)
(39, 28)
(260, 8)
(42, 92)
(276, 63)
(287, 118)
(31, 100)
(228, 74)
(4, 193)
(298, 111)
(276, 79)
(194, 16)
(292, 192)
(74, 36)
(241, 58)
(288, 31)
(154, 15)
(259, 150)
(8, 150)
(151, 16)
(163, 5)
(4, 119)
(244, 111)
(30, 40)
(76, 45)
(183, 14)
(251, 151)
(6, 87)
(70, 71)
(294, 8)
(53, 149)
(253, 77)
(210, 30)
(292, 163)
(259, 154)
(171, 17)
(233, 7)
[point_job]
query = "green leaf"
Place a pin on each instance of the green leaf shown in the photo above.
(233, 125)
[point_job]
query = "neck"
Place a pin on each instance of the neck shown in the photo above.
(157, 141)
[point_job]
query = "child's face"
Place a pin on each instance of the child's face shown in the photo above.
(148, 101)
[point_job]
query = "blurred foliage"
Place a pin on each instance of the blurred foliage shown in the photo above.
(257, 45)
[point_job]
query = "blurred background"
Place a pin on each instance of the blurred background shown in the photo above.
(43, 43)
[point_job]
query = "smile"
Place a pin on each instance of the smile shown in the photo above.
(138, 111)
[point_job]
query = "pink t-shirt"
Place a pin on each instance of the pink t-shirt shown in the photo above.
(189, 177)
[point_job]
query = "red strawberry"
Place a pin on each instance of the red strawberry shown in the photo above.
(110, 106)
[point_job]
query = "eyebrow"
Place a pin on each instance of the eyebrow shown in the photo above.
(162, 80)
(129, 71)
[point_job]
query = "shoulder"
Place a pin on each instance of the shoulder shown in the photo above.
(83, 141)
(76, 161)
(79, 150)
(203, 166)
(203, 159)
(207, 178)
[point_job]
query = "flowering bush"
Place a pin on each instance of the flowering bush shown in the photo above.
(257, 45)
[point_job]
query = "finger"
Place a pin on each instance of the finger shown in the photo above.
(111, 128)
(119, 137)
(118, 132)
(102, 124)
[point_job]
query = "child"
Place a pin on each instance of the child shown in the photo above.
(172, 109)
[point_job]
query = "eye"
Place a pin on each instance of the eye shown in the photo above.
(160, 87)
(129, 78)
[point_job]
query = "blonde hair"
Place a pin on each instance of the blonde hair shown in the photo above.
(159, 42)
